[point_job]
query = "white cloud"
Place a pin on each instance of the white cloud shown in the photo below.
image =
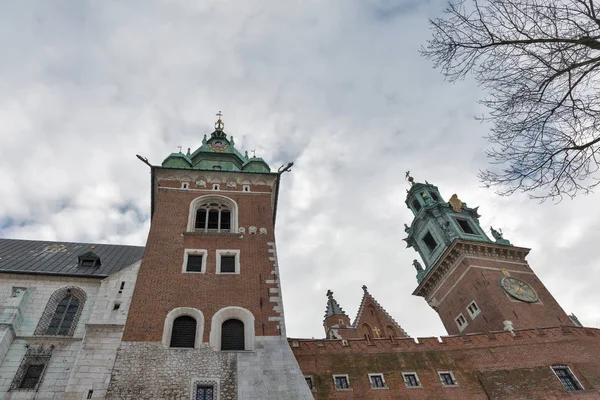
(336, 87)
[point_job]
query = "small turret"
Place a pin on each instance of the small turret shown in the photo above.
(335, 318)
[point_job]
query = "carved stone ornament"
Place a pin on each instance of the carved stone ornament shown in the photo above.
(263, 230)
(252, 229)
(242, 230)
(455, 203)
(201, 182)
(231, 184)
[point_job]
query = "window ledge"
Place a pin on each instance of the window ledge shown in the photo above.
(380, 388)
(450, 386)
(218, 234)
(415, 387)
(344, 390)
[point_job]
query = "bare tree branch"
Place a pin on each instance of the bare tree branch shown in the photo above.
(539, 62)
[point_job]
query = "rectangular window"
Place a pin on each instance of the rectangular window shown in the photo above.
(194, 263)
(473, 309)
(461, 322)
(376, 380)
(465, 226)
(309, 382)
(416, 205)
(32, 376)
(566, 377)
(227, 264)
(411, 379)
(213, 219)
(447, 378)
(429, 241)
(205, 393)
(121, 287)
(341, 381)
(225, 220)
(88, 263)
(201, 219)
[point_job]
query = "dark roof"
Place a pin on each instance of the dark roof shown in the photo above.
(61, 258)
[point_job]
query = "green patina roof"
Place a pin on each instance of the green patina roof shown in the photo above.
(217, 153)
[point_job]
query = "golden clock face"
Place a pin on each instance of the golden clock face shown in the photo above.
(518, 289)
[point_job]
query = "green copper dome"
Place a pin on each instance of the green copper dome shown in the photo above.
(217, 154)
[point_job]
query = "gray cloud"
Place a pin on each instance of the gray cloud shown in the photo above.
(336, 87)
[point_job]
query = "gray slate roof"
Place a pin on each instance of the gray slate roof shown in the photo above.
(61, 258)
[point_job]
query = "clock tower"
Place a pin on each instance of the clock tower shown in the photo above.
(474, 283)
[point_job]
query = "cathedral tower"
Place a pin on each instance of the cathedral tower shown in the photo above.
(474, 283)
(207, 315)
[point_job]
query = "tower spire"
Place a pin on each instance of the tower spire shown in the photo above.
(333, 308)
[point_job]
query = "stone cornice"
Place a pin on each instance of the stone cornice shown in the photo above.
(461, 248)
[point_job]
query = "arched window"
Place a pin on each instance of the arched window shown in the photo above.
(62, 312)
(390, 331)
(367, 332)
(219, 324)
(213, 217)
(184, 332)
(232, 335)
(213, 213)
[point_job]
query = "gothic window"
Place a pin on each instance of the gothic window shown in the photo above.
(62, 312)
(429, 242)
(447, 378)
(184, 332)
(232, 335)
(411, 379)
(390, 331)
(32, 368)
(367, 332)
(341, 382)
(213, 217)
(566, 377)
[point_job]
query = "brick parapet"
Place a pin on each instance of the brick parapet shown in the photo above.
(475, 340)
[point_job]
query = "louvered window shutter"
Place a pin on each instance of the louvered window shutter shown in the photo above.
(184, 332)
(232, 335)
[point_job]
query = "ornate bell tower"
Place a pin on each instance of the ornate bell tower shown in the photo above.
(206, 317)
(474, 283)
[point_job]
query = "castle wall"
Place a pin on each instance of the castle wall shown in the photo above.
(486, 366)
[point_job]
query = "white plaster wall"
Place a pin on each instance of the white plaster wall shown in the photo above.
(271, 372)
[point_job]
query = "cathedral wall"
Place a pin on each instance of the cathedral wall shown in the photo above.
(495, 366)
(145, 370)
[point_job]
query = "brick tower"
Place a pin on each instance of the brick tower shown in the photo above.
(475, 284)
(206, 315)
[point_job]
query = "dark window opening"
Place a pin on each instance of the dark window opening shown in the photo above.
(64, 315)
(90, 393)
(122, 287)
(116, 306)
(447, 379)
(227, 264)
(429, 241)
(225, 220)
(184, 332)
(341, 382)
(465, 226)
(213, 219)
(205, 393)
(377, 381)
(232, 335)
(194, 263)
(567, 378)
(201, 219)
(32, 376)
(411, 380)
(308, 380)
(88, 263)
(434, 196)
(416, 205)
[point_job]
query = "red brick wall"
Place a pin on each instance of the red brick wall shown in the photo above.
(478, 279)
(161, 286)
(486, 366)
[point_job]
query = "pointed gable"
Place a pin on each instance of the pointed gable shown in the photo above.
(373, 320)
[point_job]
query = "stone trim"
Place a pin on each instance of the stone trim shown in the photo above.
(227, 252)
(178, 312)
(275, 297)
(51, 306)
(228, 313)
(194, 252)
(208, 381)
(34, 355)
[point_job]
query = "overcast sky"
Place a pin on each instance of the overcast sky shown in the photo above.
(337, 87)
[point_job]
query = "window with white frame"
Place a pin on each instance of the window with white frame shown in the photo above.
(309, 382)
(341, 382)
(213, 217)
(246, 188)
(411, 379)
(194, 260)
(228, 261)
(461, 322)
(567, 378)
(377, 381)
(473, 309)
(447, 378)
